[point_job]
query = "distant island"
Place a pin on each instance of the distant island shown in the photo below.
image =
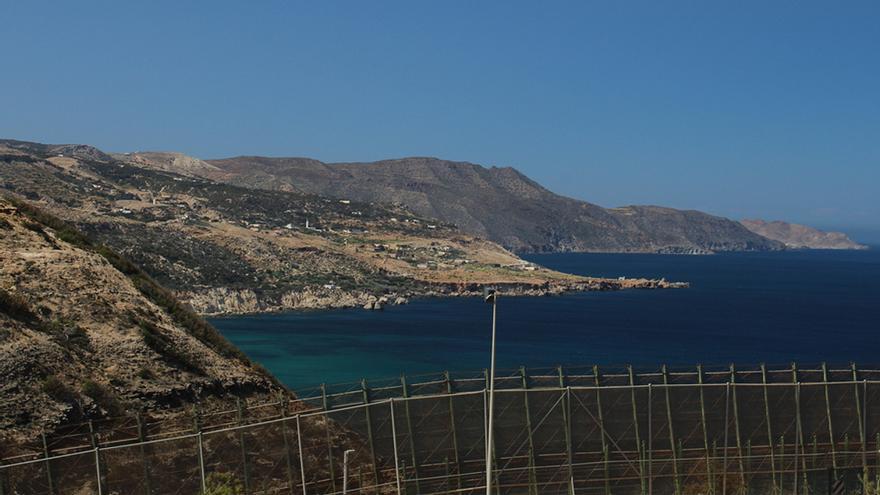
(797, 236)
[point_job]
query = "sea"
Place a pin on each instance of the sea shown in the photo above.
(744, 308)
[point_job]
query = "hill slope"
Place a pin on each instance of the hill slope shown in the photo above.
(229, 249)
(800, 236)
(500, 204)
(85, 334)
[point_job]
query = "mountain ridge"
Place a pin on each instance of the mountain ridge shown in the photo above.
(499, 203)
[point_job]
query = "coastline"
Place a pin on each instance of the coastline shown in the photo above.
(237, 302)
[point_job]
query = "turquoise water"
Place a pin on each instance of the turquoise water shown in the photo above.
(807, 306)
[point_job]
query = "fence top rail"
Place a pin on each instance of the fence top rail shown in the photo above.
(314, 412)
(513, 375)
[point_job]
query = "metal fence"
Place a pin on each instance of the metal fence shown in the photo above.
(683, 432)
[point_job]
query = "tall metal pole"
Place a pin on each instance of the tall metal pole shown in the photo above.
(489, 439)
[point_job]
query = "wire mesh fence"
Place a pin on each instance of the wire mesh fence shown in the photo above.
(682, 432)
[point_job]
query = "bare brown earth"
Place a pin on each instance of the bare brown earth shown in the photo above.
(81, 339)
(91, 349)
(800, 236)
(230, 249)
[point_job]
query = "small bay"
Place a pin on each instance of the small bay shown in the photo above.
(805, 306)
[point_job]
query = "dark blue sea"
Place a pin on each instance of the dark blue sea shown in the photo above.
(806, 306)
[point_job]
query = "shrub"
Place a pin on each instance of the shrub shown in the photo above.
(16, 307)
(66, 333)
(101, 396)
(223, 484)
(158, 342)
(57, 390)
(34, 226)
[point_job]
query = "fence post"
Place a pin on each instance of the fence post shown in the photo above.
(202, 461)
(748, 460)
(770, 429)
(709, 460)
(93, 435)
(244, 461)
(366, 393)
(713, 476)
(325, 404)
(831, 438)
(799, 425)
(302, 463)
(815, 455)
(287, 455)
(394, 439)
(865, 428)
(861, 419)
(877, 469)
(742, 470)
(798, 440)
(602, 432)
(449, 391)
(566, 418)
(639, 443)
(533, 480)
(98, 470)
(409, 429)
(726, 437)
(650, 438)
(782, 462)
(145, 461)
(495, 471)
(46, 453)
(676, 478)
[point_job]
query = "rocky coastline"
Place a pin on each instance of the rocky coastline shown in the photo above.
(228, 302)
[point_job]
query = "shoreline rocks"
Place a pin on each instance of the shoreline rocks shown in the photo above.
(225, 301)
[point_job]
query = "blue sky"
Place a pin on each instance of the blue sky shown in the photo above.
(743, 109)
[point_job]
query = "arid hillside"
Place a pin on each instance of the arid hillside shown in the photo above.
(230, 249)
(497, 203)
(801, 236)
(85, 334)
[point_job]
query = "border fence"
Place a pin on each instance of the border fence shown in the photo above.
(568, 431)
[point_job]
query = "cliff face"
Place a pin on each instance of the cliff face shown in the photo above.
(84, 334)
(500, 204)
(800, 236)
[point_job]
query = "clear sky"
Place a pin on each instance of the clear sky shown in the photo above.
(764, 109)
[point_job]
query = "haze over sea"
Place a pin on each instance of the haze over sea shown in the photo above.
(805, 306)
